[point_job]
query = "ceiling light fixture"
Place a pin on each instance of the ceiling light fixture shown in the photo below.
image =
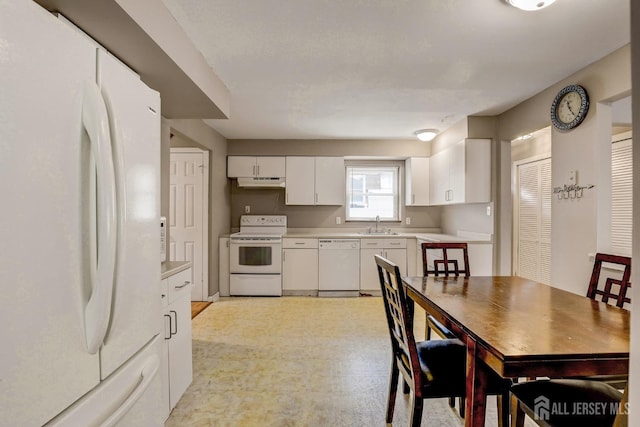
(530, 4)
(426, 134)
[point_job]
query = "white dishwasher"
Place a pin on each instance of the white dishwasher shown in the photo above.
(339, 267)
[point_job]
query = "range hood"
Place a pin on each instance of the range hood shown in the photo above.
(277, 182)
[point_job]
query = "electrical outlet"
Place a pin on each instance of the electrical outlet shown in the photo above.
(247, 209)
(338, 220)
(408, 220)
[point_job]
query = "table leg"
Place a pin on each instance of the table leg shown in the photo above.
(476, 398)
(410, 311)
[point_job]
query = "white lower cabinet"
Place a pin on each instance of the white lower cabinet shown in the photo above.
(395, 250)
(177, 351)
(299, 266)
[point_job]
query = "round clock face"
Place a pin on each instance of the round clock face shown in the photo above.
(569, 107)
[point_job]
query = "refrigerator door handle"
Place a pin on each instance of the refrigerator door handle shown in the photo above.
(144, 381)
(98, 310)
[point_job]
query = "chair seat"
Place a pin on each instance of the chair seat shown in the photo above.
(567, 402)
(443, 365)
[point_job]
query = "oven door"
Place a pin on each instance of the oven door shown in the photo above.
(255, 256)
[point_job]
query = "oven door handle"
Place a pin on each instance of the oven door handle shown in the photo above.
(256, 244)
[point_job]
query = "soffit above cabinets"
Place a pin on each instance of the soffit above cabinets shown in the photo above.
(145, 36)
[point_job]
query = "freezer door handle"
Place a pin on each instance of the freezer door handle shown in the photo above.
(149, 371)
(95, 120)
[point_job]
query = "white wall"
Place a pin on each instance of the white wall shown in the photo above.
(576, 223)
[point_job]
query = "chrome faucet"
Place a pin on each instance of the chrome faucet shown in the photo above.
(377, 222)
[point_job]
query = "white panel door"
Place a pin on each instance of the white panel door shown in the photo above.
(44, 180)
(188, 215)
(134, 113)
(534, 220)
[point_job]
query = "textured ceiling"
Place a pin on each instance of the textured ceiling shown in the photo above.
(341, 69)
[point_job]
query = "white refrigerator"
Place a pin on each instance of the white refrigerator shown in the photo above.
(80, 306)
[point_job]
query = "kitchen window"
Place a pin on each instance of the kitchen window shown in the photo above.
(373, 190)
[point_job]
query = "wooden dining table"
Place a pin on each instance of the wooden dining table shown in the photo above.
(521, 328)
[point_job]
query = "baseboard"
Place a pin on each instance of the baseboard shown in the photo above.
(215, 297)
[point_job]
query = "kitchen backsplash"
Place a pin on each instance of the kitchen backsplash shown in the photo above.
(271, 202)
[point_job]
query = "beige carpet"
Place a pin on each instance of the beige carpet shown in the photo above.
(296, 361)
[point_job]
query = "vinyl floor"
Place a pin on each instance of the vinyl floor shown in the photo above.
(297, 361)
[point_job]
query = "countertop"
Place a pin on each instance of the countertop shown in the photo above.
(169, 268)
(421, 234)
(433, 237)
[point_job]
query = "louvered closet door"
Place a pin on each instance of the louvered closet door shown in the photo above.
(621, 196)
(534, 221)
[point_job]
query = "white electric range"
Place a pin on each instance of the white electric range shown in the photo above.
(255, 257)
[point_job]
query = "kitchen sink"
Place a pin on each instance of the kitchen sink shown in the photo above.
(379, 233)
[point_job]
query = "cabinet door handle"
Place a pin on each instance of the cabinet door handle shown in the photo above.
(186, 282)
(258, 170)
(165, 331)
(253, 171)
(284, 256)
(175, 315)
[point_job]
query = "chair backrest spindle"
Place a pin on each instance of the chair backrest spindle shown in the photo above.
(614, 288)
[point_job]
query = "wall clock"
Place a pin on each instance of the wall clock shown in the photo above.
(570, 107)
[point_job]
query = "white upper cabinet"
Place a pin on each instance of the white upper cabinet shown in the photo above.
(330, 181)
(417, 181)
(461, 173)
(315, 180)
(300, 181)
(250, 166)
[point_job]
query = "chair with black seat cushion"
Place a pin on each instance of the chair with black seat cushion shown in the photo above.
(444, 259)
(605, 288)
(566, 403)
(430, 369)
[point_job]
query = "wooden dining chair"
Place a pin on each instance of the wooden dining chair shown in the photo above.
(613, 285)
(604, 288)
(430, 369)
(568, 403)
(443, 259)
